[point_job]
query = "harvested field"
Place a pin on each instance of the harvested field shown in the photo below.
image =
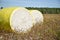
(49, 30)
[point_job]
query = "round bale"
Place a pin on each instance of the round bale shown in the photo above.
(37, 16)
(17, 19)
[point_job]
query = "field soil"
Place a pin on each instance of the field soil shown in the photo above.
(48, 30)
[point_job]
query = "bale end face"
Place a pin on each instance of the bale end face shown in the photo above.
(37, 16)
(21, 20)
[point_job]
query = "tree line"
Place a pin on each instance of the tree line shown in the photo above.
(46, 10)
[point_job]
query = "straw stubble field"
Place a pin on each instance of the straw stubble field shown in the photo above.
(49, 30)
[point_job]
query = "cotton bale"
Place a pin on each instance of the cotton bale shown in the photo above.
(17, 19)
(37, 16)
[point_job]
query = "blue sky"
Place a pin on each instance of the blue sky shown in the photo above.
(30, 3)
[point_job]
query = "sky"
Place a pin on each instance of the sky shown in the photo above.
(30, 3)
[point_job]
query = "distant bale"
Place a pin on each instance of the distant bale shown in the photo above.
(18, 19)
(37, 16)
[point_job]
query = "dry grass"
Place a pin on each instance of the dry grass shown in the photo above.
(49, 30)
